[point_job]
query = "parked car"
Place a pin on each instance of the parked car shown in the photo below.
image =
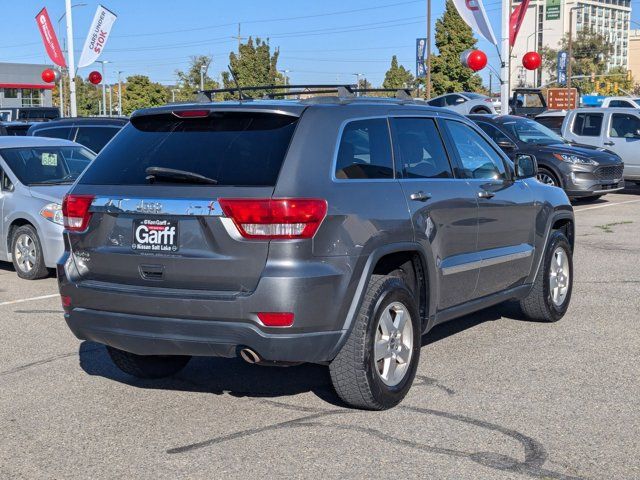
(15, 128)
(620, 102)
(613, 129)
(31, 114)
(92, 132)
(327, 230)
(464, 103)
(582, 171)
(552, 119)
(527, 102)
(35, 174)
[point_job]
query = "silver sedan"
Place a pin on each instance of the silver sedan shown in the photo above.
(466, 103)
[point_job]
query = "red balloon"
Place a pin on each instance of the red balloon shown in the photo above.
(531, 60)
(476, 60)
(49, 75)
(95, 77)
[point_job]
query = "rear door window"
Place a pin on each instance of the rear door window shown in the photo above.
(59, 132)
(620, 104)
(95, 138)
(624, 126)
(365, 151)
(587, 124)
(232, 147)
(419, 149)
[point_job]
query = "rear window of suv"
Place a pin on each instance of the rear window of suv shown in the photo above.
(233, 148)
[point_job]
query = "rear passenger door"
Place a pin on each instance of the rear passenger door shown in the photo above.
(623, 137)
(507, 210)
(443, 209)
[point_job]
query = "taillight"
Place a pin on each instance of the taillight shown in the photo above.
(277, 218)
(75, 209)
(191, 113)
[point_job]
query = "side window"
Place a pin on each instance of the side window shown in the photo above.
(5, 182)
(494, 133)
(453, 100)
(624, 126)
(620, 104)
(587, 124)
(61, 132)
(552, 123)
(437, 102)
(95, 138)
(365, 150)
(419, 149)
(477, 157)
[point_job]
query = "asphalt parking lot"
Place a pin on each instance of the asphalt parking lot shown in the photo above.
(495, 396)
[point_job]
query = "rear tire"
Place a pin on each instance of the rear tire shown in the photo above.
(481, 111)
(549, 298)
(376, 366)
(147, 366)
(26, 253)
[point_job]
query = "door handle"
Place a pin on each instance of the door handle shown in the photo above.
(486, 194)
(610, 144)
(420, 196)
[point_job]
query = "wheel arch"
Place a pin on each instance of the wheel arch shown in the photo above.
(559, 220)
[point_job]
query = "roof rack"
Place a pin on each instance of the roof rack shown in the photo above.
(343, 91)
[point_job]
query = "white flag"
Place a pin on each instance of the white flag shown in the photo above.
(97, 37)
(474, 14)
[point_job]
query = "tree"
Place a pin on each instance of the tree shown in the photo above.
(140, 92)
(254, 65)
(189, 81)
(453, 36)
(397, 76)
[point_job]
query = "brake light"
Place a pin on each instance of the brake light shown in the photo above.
(191, 113)
(75, 210)
(276, 319)
(275, 219)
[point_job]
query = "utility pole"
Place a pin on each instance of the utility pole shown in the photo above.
(239, 38)
(110, 100)
(104, 90)
(570, 52)
(428, 78)
(61, 88)
(73, 110)
(490, 83)
(119, 93)
(506, 57)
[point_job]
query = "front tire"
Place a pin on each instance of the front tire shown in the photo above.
(548, 178)
(549, 298)
(376, 366)
(147, 366)
(26, 253)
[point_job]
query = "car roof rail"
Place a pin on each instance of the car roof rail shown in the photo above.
(318, 92)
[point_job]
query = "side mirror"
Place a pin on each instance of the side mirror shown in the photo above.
(460, 100)
(526, 166)
(506, 145)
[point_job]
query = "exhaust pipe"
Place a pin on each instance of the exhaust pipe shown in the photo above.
(250, 356)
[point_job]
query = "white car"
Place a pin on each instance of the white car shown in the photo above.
(621, 102)
(465, 103)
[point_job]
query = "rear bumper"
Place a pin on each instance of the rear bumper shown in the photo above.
(145, 335)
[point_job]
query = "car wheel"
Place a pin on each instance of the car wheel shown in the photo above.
(547, 177)
(551, 293)
(26, 253)
(147, 366)
(376, 366)
(481, 111)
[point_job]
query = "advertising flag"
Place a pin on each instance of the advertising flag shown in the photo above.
(97, 37)
(563, 58)
(49, 38)
(474, 14)
(421, 47)
(516, 19)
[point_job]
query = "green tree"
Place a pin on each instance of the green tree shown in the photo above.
(140, 92)
(453, 36)
(254, 65)
(189, 81)
(397, 76)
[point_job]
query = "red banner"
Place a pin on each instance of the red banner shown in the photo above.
(49, 38)
(515, 22)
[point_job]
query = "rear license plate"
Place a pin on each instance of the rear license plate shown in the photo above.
(155, 235)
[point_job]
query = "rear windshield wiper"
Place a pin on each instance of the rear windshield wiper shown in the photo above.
(155, 173)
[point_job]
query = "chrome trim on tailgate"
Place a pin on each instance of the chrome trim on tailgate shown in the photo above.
(157, 206)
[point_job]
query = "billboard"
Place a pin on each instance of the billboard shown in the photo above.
(553, 10)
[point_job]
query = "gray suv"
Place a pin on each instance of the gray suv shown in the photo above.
(330, 230)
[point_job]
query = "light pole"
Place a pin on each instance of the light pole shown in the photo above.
(358, 75)
(535, 49)
(73, 110)
(570, 52)
(110, 100)
(428, 77)
(119, 93)
(203, 69)
(286, 76)
(61, 86)
(104, 90)
(505, 53)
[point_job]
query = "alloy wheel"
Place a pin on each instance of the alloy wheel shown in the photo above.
(559, 276)
(25, 253)
(546, 179)
(393, 347)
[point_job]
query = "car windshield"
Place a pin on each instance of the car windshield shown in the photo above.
(529, 131)
(47, 165)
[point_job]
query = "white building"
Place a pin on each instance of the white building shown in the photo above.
(547, 22)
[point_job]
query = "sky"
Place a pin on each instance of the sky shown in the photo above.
(320, 42)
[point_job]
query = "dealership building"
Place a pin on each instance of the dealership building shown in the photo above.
(547, 21)
(21, 85)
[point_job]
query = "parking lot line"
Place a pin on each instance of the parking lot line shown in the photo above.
(23, 300)
(606, 205)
